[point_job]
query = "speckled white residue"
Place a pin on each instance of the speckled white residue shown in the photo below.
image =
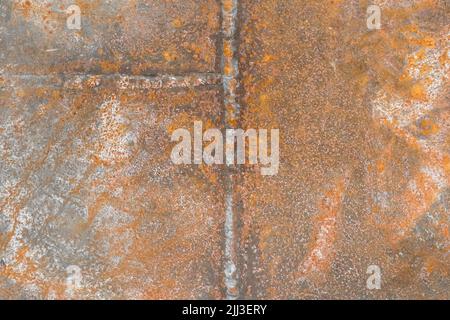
(116, 138)
(382, 199)
(112, 220)
(22, 224)
(110, 217)
(437, 175)
(322, 249)
(404, 114)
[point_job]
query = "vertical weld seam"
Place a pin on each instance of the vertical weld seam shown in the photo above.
(230, 72)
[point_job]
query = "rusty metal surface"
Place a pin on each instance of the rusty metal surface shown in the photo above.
(87, 182)
(133, 37)
(364, 117)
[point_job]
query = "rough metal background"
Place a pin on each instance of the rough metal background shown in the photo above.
(86, 178)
